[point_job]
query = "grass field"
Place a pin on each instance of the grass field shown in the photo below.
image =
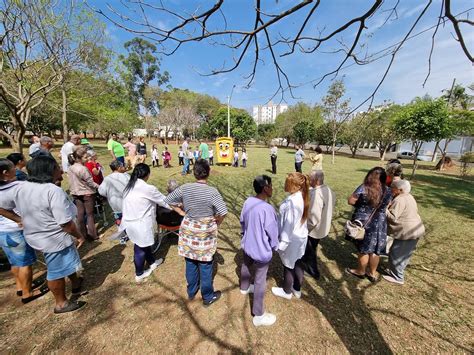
(431, 313)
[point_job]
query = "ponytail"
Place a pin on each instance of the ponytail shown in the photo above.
(139, 172)
(299, 182)
(305, 193)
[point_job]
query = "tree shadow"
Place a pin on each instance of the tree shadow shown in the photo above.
(346, 309)
(101, 265)
(446, 193)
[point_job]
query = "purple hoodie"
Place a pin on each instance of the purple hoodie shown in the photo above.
(259, 224)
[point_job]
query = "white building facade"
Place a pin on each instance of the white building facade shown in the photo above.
(267, 113)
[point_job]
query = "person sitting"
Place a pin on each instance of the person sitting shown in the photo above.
(406, 229)
(165, 216)
(19, 161)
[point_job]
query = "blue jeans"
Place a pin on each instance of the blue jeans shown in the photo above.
(199, 272)
(185, 166)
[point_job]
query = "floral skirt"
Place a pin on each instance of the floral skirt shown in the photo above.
(198, 238)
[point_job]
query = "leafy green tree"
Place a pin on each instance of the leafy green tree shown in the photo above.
(380, 129)
(423, 121)
(336, 111)
(34, 44)
(242, 125)
(354, 132)
(303, 132)
(266, 132)
(457, 97)
(301, 112)
(142, 69)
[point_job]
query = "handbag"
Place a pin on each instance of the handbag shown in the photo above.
(356, 229)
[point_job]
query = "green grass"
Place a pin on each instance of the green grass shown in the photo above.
(433, 312)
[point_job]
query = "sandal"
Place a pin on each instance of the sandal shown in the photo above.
(350, 272)
(372, 279)
(43, 291)
(70, 307)
(38, 282)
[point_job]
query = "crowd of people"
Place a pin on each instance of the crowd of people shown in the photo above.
(36, 215)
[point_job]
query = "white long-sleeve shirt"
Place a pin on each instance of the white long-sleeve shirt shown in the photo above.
(293, 233)
(321, 208)
(112, 188)
(139, 212)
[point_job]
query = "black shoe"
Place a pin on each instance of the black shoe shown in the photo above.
(217, 295)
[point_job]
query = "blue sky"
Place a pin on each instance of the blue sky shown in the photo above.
(404, 82)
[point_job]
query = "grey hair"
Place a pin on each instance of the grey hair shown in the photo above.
(317, 175)
(403, 185)
(91, 153)
(394, 169)
(171, 185)
(45, 139)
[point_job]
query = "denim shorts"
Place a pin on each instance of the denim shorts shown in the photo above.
(18, 252)
(62, 263)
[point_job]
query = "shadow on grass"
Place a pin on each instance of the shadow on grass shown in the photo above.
(446, 193)
(348, 314)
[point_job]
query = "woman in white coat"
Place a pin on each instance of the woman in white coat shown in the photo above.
(293, 234)
(139, 219)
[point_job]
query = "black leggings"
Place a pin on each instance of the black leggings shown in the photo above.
(142, 255)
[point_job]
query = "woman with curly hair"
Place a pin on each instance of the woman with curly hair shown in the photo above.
(293, 234)
(370, 200)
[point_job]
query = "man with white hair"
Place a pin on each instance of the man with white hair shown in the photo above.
(319, 219)
(67, 149)
(46, 144)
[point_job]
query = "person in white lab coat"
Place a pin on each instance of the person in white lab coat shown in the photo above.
(321, 207)
(139, 219)
(293, 234)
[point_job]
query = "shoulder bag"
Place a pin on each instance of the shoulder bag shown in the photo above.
(356, 230)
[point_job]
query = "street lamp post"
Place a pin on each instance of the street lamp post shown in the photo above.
(228, 111)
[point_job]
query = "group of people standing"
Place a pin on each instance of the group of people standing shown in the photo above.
(38, 215)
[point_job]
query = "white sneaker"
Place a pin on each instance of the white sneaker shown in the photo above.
(249, 290)
(297, 294)
(392, 279)
(156, 264)
(264, 319)
(278, 291)
(143, 276)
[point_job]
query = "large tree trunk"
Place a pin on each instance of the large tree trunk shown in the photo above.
(64, 116)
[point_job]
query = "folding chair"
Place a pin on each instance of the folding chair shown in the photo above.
(168, 222)
(163, 231)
